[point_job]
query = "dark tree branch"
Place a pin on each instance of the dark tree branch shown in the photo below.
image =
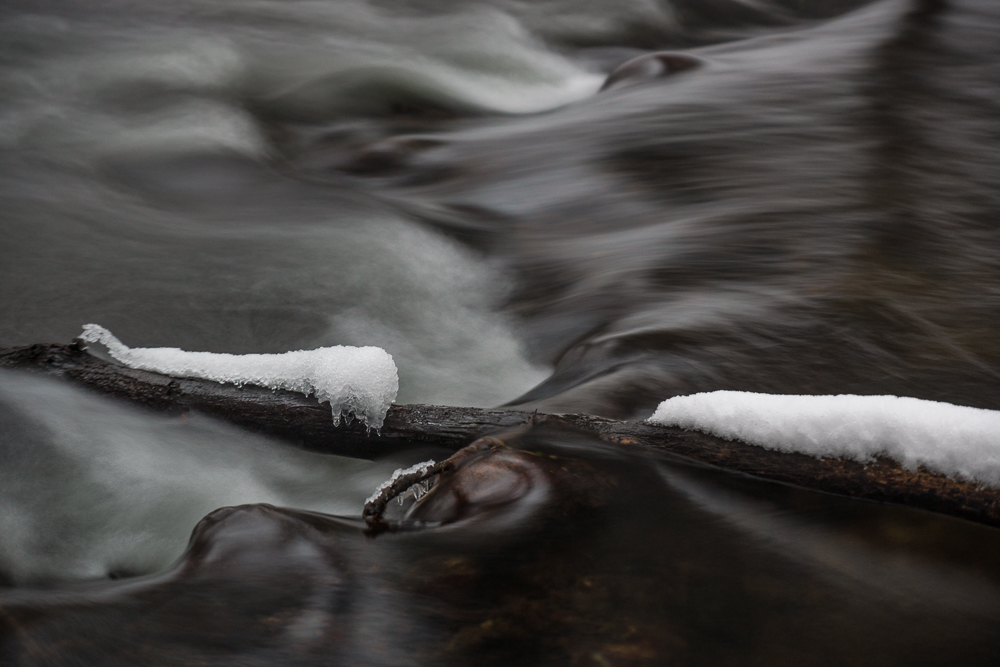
(306, 423)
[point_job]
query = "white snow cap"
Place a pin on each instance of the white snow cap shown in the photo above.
(951, 439)
(359, 381)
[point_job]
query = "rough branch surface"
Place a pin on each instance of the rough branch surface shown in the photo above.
(306, 423)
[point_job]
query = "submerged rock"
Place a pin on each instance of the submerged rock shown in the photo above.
(650, 66)
(542, 546)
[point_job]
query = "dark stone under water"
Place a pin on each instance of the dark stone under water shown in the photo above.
(552, 548)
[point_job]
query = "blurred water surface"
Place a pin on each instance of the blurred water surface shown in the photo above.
(807, 203)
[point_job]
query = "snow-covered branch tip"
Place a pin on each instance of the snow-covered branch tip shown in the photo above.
(417, 476)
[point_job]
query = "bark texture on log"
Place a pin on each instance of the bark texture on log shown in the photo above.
(305, 422)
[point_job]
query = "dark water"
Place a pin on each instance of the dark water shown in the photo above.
(564, 551)
(804, 201)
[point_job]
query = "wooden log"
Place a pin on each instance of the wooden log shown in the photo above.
(305, 422)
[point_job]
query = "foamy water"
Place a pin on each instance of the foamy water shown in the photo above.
(92, 489)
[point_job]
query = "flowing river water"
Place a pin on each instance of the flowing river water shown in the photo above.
(802, 198)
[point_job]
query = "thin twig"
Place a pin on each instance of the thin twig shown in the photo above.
(375, 507)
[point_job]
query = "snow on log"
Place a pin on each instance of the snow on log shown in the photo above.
(953, 440)
(359, 382)
(304, 422)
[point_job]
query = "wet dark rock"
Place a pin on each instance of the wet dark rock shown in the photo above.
(542, 546)
(650, 66)
(387, 156)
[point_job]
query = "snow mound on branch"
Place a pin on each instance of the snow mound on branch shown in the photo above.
(358, 381)
(950, 439)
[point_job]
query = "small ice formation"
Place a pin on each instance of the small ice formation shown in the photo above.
(950, 439)
(358, 381)
(416, 468)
